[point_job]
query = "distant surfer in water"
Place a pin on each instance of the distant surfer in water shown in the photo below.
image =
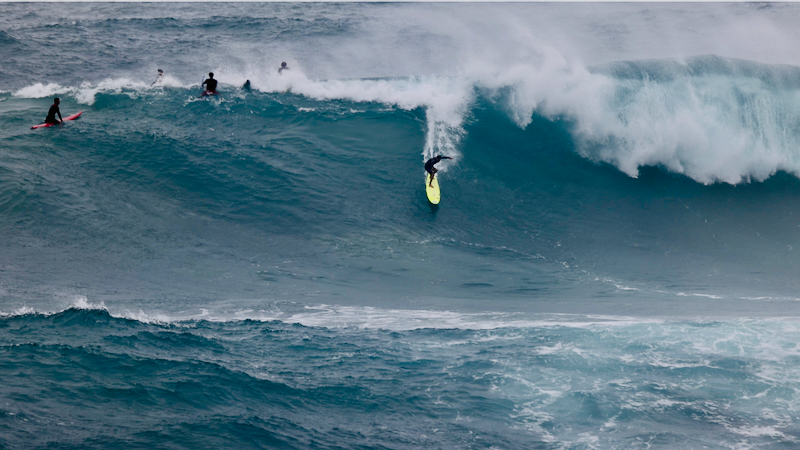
(432, 170)
(246, 86)
(159, 77)
(210, 84)
(51, 114)
(282, 68)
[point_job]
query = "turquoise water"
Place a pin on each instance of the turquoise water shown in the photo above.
(612, 264)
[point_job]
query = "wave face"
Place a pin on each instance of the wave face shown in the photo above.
(621, 197)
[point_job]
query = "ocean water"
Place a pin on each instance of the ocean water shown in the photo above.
(613, 264)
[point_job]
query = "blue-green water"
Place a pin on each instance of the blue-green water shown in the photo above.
(612, 264)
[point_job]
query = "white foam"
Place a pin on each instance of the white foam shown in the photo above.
(533, 420)
(535, 60)
(726, 128)
(86, 93)
(39, 90)
(711, 296)
(712, 128)
(25, 310)
(446, 100)
(756, 431)
(366, 317)
(544, 350)
(81, 302)
(152, 318)
(74, 301)
(168, 81)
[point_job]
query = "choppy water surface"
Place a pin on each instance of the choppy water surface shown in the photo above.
(612, 264)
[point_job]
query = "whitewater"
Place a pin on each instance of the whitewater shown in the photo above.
(612, 264)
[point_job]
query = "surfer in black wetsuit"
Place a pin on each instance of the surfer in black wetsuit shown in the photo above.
(431, 162)
(282, 68)
(51, 114)
(210, 84)
(246, 86)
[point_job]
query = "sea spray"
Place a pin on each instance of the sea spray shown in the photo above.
(613, 264)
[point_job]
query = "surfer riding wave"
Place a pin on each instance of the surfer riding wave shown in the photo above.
(432, 170)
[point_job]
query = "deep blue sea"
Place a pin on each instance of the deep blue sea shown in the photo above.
(614, 263)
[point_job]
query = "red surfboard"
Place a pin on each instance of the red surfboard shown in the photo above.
(45, 125)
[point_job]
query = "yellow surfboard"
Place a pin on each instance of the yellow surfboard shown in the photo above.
(433, 192)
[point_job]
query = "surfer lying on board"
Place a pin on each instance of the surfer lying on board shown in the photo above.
(432, 170)
(51, 115)
(210, 84)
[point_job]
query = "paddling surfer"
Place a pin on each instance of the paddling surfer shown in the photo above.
(432, 170)
(51, 114)
(210, 84)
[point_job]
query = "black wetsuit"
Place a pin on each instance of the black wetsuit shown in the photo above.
(429, 165)
(210, 84)
(51, 114)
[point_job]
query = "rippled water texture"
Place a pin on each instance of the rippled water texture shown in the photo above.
(612, 264)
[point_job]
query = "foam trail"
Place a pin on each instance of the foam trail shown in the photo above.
(446, 99)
